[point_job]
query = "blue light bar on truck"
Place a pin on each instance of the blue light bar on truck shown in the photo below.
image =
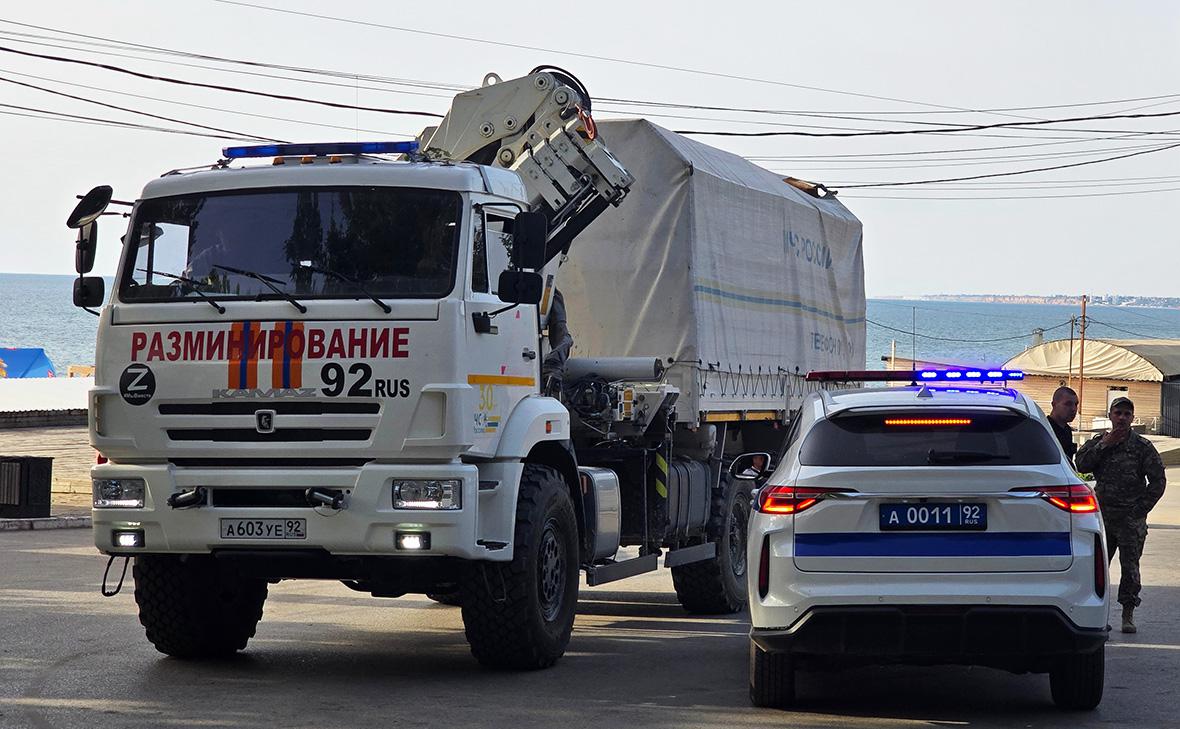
(320, 150)
(952, 375)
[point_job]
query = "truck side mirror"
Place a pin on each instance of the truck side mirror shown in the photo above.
(529, 234)
(520, 287)
(84, 218)
(90, 207)
(84, 250)
(750, 466)
(88, 291)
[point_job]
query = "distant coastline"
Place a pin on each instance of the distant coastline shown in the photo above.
(1146, 302)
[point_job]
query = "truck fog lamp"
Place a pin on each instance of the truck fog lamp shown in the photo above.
(127, 538)
(118, 493)
(413, 541)
(434, 494)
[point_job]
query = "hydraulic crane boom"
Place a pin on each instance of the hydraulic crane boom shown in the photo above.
(539, 126)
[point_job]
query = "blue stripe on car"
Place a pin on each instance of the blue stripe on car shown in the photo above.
(980, 544)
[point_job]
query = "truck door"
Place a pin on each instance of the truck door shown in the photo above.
(504, 365)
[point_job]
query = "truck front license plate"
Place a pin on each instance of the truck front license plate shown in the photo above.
(264, 529)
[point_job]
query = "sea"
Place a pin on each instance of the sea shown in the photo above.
(37, 311)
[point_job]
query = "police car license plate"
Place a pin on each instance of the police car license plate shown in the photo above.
(264, 529)
(918, 517)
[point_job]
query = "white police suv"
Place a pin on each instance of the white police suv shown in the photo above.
(936, 523)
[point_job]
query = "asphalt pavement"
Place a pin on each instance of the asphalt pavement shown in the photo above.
(326, 656)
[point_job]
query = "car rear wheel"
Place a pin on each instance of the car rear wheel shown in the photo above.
(772, 678)
(1076, 682)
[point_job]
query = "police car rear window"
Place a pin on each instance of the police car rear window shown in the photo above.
(923, 438)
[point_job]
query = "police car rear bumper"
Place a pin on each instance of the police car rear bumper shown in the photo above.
(1012, 637)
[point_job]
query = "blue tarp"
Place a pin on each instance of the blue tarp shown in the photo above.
(25, 362)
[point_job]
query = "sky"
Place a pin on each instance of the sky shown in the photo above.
(891, 65)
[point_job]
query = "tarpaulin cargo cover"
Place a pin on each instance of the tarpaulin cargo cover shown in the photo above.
(712, 262)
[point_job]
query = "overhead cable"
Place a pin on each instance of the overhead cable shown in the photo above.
(217, 87)
(238, 135)
(1016, 172)
(945, 339)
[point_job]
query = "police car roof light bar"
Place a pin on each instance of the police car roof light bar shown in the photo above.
(951, 375)
(320, 149)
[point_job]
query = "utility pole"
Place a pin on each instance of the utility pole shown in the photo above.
(1082, 364)
(1073, 322)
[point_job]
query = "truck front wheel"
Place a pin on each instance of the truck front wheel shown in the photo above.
(194, 608)
(718, 586)
(519, 614)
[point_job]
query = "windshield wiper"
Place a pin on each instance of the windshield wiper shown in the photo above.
(933, 456)
(266, 281)
(197, 285)
(347, 279)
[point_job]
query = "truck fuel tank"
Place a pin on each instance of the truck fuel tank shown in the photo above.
(600, 486)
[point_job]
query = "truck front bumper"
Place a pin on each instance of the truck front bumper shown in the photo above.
(367, 525)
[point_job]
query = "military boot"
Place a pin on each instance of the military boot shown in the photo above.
(1128, 618)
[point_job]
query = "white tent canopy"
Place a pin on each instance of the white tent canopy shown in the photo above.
(1146, 360)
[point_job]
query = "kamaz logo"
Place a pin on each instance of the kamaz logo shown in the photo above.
(264, 421)
(268, 394)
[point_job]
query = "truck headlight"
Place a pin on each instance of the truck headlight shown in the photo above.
(118, 493)
(444, 494)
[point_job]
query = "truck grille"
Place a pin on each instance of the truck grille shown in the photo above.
(280, 435)
(242, 407)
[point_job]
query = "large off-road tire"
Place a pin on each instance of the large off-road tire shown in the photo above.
(195, 608)
(772, 678)
(1076, 682)
(519, 614)
(718, 586)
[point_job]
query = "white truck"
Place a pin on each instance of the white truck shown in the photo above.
(349, 366)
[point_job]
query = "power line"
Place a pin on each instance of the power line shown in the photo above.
(1013, 197)
(1079, 140)
(940, 130)
(216, 87)
(239, 135)
(941, 109)
(1016, 172)
(381, 79)
(206, 108)
(701, 107)
(78, 118)
(963, 341)
(1091, 320)
(575, 54)
(966, 161)
(128, 45)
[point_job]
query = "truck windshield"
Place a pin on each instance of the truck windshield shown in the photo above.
(396, 242)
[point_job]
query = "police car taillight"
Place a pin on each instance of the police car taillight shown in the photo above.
(1075, 498)
(791, 499)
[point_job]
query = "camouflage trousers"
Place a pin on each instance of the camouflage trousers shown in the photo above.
(1126, 535)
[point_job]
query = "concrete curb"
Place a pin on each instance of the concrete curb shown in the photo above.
(52, 522)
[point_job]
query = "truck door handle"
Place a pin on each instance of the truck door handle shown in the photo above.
(528, 354)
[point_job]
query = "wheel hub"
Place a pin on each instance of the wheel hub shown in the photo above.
(551, 572)
(737, 539)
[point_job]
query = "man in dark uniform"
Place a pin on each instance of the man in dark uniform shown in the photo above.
(1121, 461)
(1065, 409)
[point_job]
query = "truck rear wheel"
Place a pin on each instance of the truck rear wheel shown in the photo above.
(195, 608)
(718, 586)
(519, 614)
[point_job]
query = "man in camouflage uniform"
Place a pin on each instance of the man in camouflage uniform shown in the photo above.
(1120, 461)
